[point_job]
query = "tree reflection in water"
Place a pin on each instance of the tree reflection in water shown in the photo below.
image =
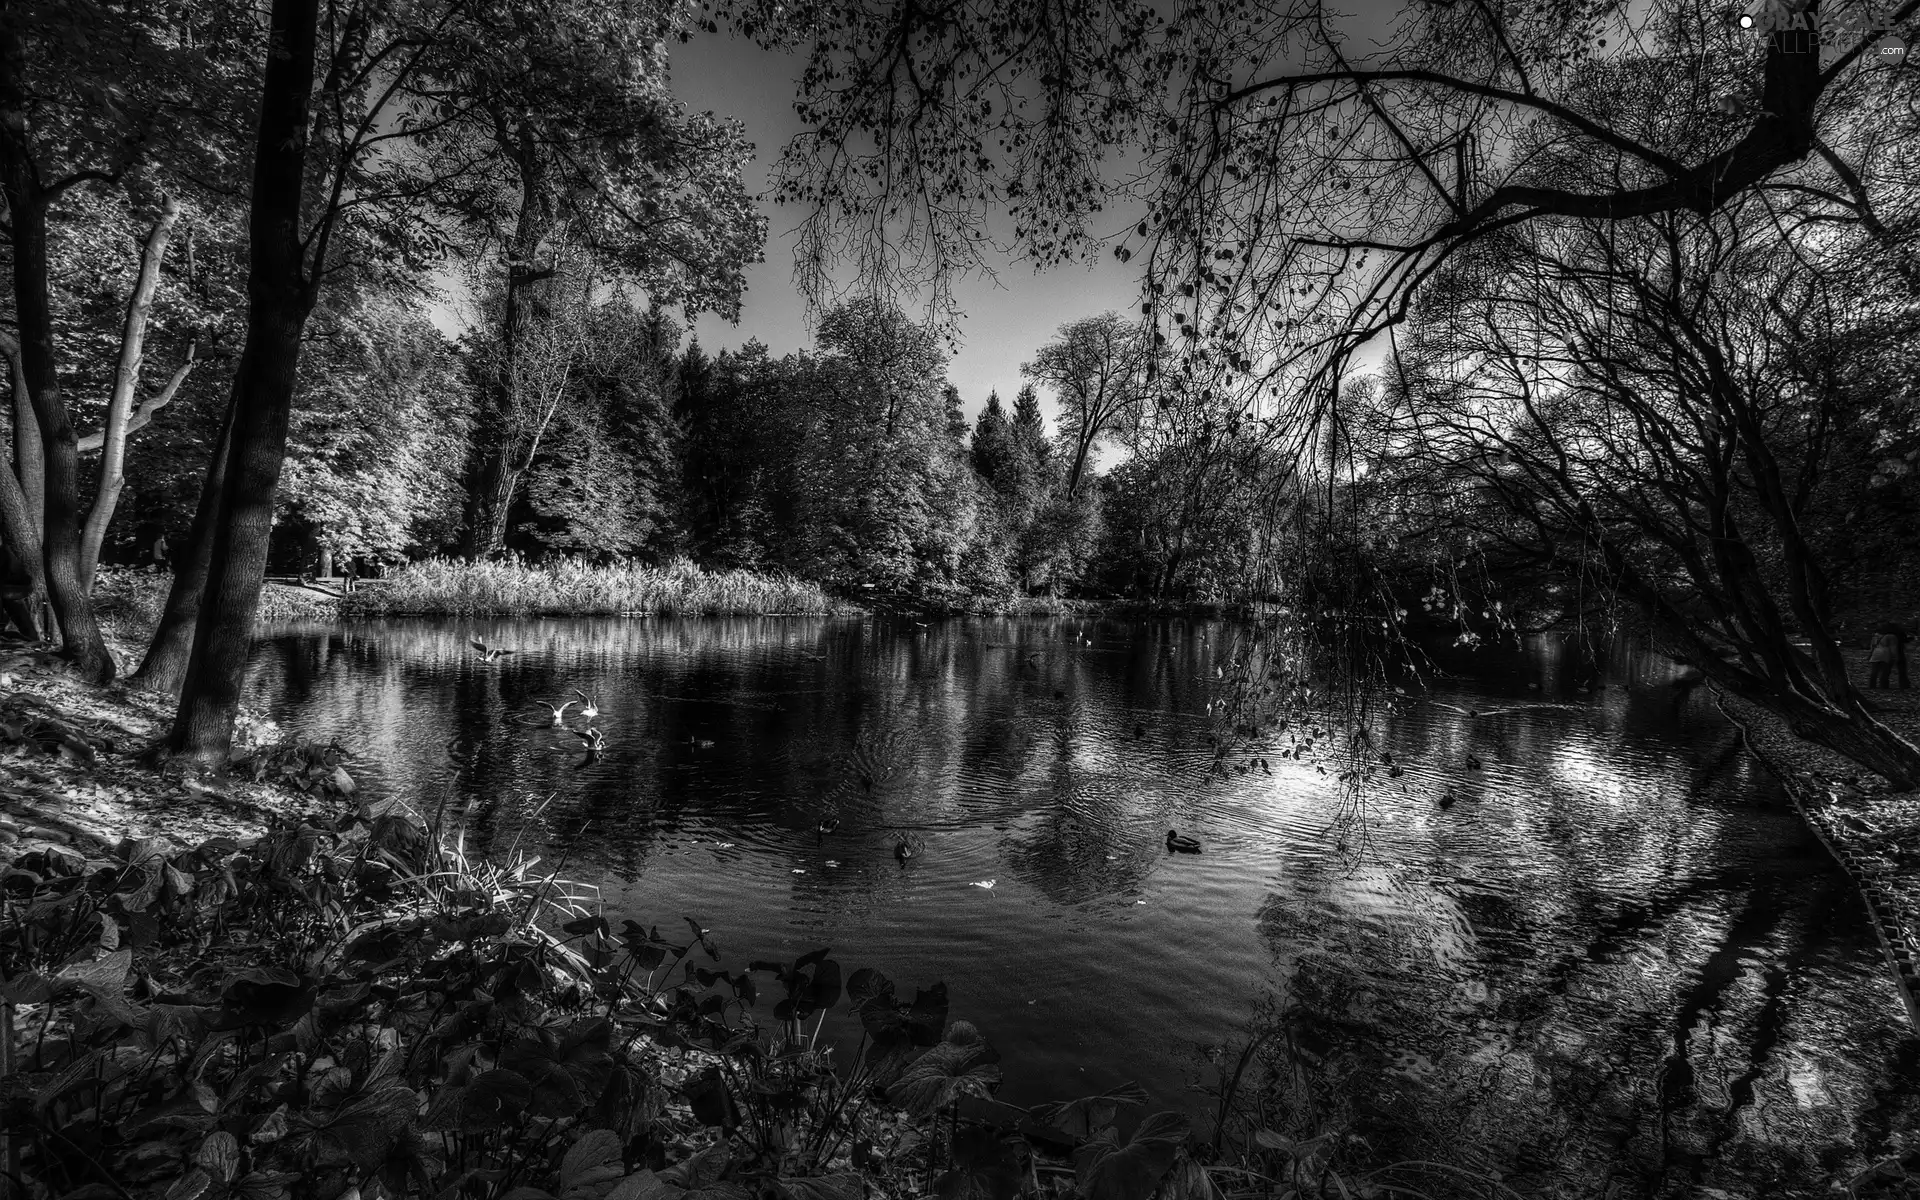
(1616, 966)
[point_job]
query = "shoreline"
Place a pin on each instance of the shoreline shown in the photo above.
(1873, 834)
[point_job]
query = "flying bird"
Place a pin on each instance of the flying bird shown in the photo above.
(559, 711)
(590, 707)
(488, 653)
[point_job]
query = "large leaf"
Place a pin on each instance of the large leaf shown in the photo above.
(265, 996)
(712, 1103)
(984, 1168)
(492, 1097)
(813, 985)
(568, 1070)
(106, 981)
(960, 1066)
(591, 1166)
(705, 1175)
(927, 1015)
(1083, 1118)
(366, 1127)
(1109, 1170)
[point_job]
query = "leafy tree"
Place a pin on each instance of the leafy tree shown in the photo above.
(1005, 458)
(88, 94)
(588, 155)
(363, 182)
(378, 439)
(605, 482)
(1098, 369)
(732, 448)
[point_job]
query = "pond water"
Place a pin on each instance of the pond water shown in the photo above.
(1615, 965)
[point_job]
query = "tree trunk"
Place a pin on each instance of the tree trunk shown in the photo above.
(492, 480)
(29, 462)
(1864, 740)
(165, 667)
(33, 309)
(278, 300)
(22, 537)
(126, 379)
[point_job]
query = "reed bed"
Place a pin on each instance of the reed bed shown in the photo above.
(573, 587)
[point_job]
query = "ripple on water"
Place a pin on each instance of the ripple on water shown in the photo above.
(1613, 928)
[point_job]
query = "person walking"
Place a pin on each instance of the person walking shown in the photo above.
(1899, 633)
(1881, 659)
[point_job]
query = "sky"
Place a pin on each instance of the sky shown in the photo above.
(1005, 322)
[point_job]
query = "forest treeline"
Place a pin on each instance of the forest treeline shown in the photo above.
(1632, 292)
(851, 463)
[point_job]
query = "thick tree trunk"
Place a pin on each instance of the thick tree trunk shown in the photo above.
(21, 536)
(1863, 739)
(278, 300)
(165, 667)
(491, 480)
(126, 379)
(27, 217)
(29, 461)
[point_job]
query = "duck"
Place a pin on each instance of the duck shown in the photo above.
(559, 711)
(903, 850)
(827, 825)
(589, 707)
(1447, 799)
(1139, 732)
(1181, 844)
(488, 653)
(1473, 762)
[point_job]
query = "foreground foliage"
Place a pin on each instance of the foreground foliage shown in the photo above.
(352, 1003)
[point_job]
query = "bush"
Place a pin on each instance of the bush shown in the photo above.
(512, 587)
(350, 1002)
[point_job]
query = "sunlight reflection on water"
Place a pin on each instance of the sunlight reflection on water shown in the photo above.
(1617, 940)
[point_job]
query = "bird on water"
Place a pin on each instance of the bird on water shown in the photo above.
(1179, 843)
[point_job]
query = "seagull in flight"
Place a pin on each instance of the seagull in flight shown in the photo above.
(559, 711)
(590, 707)
(488, 653)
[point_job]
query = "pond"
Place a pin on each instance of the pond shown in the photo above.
(1613, 964)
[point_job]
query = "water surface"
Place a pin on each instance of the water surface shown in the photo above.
(1614, 964)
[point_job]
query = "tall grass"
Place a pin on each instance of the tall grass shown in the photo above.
(572, 587)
